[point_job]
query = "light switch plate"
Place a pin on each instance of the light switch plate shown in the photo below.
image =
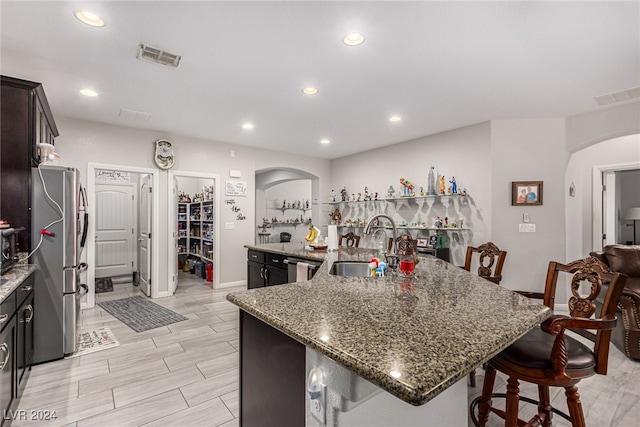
(234, 173)
(229, 225)
(527, 228)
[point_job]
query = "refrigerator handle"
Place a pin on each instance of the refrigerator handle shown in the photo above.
(85, 208)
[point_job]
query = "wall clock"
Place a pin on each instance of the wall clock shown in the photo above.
(164, 154)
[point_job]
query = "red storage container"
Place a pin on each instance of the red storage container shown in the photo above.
(209, 272)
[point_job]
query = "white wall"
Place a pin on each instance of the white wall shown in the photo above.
(464, 153)
(81, 142)
(579, 209)
(528, 150)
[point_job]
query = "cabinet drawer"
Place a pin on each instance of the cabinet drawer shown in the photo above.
(276, 260)
(7, 309)
(23, 291)
(256, 256)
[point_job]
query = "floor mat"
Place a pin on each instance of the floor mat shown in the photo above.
(104, 284)
(94, 340)
(140, 314)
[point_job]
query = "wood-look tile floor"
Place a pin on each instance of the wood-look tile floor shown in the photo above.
(186, 374)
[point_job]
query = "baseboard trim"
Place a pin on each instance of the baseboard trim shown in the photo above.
(232, 284)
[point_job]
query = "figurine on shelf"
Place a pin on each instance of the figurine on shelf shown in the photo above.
(464, 192)
(461, 223)
(336, 217)
(391, 193)
(359, 196)
(442, 180)
(306, 204)
(284, 204)
(344, 194)
(353, 197)
(454, 185)
(407, 188)
(421, 191)
(446, 221)
(332, 196)
(375, 196)
(431, 182)
(367, 196)
(438, 223)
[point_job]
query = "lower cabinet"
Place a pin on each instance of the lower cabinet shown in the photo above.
(17, 316)
(8, 364)
(265, 269)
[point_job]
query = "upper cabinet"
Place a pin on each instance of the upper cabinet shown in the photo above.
(26, 120)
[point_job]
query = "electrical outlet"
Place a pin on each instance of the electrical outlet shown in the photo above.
(527, 228)
(229, 225)
(317, 406)
(525, 217)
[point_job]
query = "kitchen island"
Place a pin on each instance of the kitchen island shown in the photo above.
(413, 338)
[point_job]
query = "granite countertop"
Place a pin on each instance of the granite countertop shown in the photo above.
(296, 250)
(412, 337)
(14, 278)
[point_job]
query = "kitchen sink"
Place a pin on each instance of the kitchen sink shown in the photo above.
(350, 269)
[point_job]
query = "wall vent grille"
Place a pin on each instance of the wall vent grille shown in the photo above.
(623, 95)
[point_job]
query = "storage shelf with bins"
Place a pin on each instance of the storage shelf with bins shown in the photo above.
(196, 230)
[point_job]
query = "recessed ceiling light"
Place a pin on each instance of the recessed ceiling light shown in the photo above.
(89, 18)
(395, 118)
(247, 126)
(353, 39)
(325, 141)
(309, 90)
(88, 92)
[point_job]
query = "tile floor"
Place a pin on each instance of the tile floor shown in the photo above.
(186, 374)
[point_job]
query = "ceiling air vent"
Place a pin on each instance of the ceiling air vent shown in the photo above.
(158, 56)
(623, 95)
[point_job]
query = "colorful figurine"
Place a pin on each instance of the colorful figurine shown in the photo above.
(391, 192)
(367, 196)
(454, 185)
(332, 196)
(407, 188)
(375, 197)
(442, 184)
(421, 191)
(344, 194)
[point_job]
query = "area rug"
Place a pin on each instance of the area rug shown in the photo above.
(94, 340)
(140, 314)
(104, 284)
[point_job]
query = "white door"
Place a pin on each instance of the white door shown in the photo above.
(114, 230)
(173, 258)
(609, 219)
(144, 236)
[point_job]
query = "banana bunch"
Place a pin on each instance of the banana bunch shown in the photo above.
(312, 235)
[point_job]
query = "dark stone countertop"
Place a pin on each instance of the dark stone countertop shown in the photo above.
(14, 278)
(411, 337)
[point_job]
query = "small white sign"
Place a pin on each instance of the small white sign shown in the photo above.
(235, 188)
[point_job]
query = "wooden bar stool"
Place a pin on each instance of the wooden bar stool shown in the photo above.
(350, 240)
(547, 357)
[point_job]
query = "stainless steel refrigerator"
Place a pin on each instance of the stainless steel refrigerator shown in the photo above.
(58, 218)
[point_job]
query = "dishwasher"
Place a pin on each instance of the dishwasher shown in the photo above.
(292, 268)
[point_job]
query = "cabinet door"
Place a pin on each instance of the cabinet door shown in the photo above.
(24, 343)
(7, 364)
(255, 273)
(276, 276)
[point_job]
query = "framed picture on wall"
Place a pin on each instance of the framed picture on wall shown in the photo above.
(526, 193)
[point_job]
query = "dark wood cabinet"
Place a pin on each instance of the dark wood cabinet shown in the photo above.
(25, 121)
(7, 363)
(25, 338)
(265, 269)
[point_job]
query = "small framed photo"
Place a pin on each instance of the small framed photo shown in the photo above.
(526, 193)
(421, 243)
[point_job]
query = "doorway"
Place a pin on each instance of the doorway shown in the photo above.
(117, 223)
(193, 228)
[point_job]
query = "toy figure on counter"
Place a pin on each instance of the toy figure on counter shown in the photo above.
(391, 193)
(344, 194)
(442, 184)
(454, 185)
(332, 196)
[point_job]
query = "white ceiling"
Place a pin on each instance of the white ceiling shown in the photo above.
(439, 65)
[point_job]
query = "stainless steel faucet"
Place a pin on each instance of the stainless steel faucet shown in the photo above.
(392, 259)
